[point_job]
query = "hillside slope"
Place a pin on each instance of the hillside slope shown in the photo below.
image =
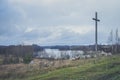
(104, 68)
(107, 68)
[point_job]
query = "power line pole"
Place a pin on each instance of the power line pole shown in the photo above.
(96, 32)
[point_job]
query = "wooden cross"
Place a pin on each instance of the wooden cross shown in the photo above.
(96, 32)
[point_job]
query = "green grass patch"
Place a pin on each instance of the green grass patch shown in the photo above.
(104, 68)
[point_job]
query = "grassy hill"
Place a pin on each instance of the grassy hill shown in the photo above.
(104, 68)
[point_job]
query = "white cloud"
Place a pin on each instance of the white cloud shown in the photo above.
(82, 30)
(55, 21)
(29, 29)
(57, 34)
(36, 2)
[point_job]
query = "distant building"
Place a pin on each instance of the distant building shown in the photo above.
(58, 54)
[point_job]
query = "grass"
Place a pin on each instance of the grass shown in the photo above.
(107, 68)
(104, 68)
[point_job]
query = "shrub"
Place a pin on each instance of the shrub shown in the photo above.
(27, 59)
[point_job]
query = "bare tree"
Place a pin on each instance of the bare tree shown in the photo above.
(116, 40)
(110, 40)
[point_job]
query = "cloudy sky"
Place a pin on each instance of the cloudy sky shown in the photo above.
(57, 22)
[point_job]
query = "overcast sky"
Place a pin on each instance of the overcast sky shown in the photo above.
(57, 22)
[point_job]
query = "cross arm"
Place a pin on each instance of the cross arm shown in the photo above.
(96, 19)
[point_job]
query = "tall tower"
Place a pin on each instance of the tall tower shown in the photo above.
(96, 31)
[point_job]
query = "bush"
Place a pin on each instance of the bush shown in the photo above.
(27, 59)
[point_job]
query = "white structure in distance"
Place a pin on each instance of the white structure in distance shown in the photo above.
(58, 54)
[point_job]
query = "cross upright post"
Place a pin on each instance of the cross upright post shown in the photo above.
(96, 31)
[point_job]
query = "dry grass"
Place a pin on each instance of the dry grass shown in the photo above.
(40, 67)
